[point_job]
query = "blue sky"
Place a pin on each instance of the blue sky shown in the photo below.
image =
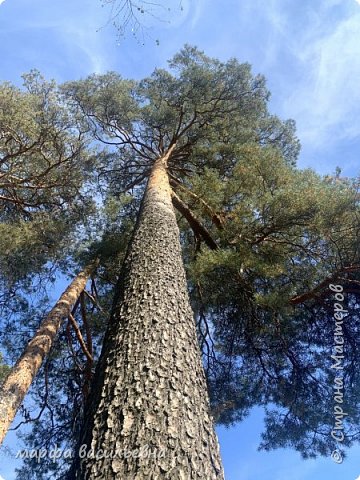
(309, 53)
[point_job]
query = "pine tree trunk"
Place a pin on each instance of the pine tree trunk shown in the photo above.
(21, 376)
(149, 418)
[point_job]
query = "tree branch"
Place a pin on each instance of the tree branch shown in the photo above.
(80, 337)
(312, 293)
(217, 220)
(193, 221)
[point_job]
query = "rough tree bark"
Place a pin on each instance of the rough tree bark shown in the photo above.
(148, 416)
(19, 379)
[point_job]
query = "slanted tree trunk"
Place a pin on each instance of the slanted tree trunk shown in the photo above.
(193, 221)
(150, 394)
(19, 379)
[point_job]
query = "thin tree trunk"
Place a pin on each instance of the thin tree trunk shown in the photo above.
(21, 376)
(215, 217)
(148, 416)
(194, 223)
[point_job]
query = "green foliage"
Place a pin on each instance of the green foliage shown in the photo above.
(44, 161)
(261, 299)
(46, 168)
(281, 232)
(286, 231)
(203, 105)
(4, 369)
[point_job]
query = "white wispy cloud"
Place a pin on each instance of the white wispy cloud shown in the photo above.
(76, 44)
(328, 97)
(310, 54)
(88, 45)
(197, 11)
(308, 51)
(87, 40)
(325, 98)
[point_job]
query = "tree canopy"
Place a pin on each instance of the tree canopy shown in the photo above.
(45, 164)
(262, 239)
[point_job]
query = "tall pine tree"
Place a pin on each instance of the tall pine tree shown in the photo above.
(261, 242)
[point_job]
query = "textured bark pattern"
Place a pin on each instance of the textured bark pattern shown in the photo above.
(18, 381)
(151, 389)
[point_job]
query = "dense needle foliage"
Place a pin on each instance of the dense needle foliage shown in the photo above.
(262, 240)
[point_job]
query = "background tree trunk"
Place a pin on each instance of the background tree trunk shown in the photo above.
(150, 393)
(21, 376)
